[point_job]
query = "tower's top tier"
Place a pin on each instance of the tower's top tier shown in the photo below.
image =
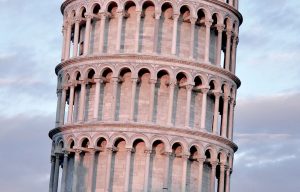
(232, 3)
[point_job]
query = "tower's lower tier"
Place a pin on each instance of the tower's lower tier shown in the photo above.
(114, 156)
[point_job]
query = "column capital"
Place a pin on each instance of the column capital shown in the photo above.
(226, 97)
(77, 20)
(115, 79)
(111, 149)
(213, 164)
(134, 80)
(175, 16)
(185, 156)
(152, 81)
(189, 87)
(77, 151)
(172, 83)
(193, 20)
(229, 32)
(208, 23)
(217, 93)
(166, 153)
(130, 150)
(148, 151)
(157, 15)
(201, 159)
(204, 90)
(88, 16)
(220, 27)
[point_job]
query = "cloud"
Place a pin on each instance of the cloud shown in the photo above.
(267, 133)
(25, 153)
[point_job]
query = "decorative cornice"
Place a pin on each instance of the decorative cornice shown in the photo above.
(125, 126)
(131, 58)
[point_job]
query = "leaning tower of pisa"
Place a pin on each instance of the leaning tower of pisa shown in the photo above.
(146, 95)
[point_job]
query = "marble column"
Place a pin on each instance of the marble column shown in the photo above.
(171, 100)
(119, 31)
(68, 40)
(188, 105)
(192, 43)
(220, 29)
(184, 172)
(174, 37)
(152, 95)
(227, 186)
(59, 94)
(233, 54)
(204, 107)
(64, 35)
(71, 102)
(91, 170)
(221, 180)
(231, 112)
(225, 116)
(76, 37)
(216, 112)
(137, 31)
(52, 174)
(133, 95)
(56, 173)
(96, 99)
(127, 169)
(208, 24)
(166, 172)
(213, 176)
(64, 173)
(156, 29)
(228, 49)
(82, 101)
(87, 34)
(102, 27)
(109, 152)
(115, 82)
(200, 177)
(147, 167)
(63, 106)
(75, 170)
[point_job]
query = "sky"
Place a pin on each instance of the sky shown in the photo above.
(267, 117)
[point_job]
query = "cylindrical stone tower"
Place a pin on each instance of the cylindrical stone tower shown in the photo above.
(146, 95)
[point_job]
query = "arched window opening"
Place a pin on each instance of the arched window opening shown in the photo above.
(181, 79)
(101, 143)
(96, 9)
(177, 149)
(72, 144)
(85, 143)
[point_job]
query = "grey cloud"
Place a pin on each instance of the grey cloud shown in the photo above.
(24, 159)
(273, 114)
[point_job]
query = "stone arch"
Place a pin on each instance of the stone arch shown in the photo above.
(228, 23)
(206, 12)
(107, 5)
(187, 75)
(199, 148)
(189, 6)
(124, 68)
(218, 18)
(81, 11)
(107, 67)
(222, 156)
(82, 138)
(88, 70)
(144, 67)
(76, 75)
(168, 71)
(212, 151)
(98, 136)
(116, 136)
(214, 84)
(94, 5)
(183, 144)
(71, 141)
(142, 137)
(163, 139)
(135, 2)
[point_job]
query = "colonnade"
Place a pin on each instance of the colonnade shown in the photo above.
(226, 110)
(212, 26)
(218, 171)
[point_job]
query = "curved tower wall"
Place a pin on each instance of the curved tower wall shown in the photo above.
(146, 96)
